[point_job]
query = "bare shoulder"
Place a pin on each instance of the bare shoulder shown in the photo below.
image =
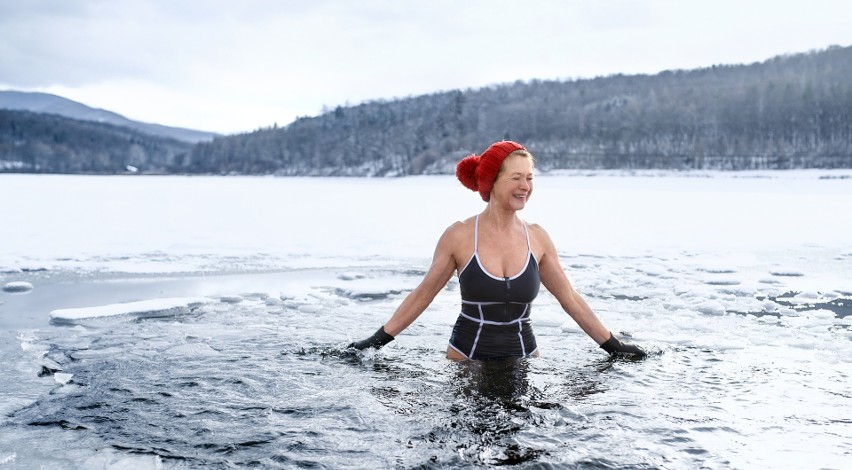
(538, 233)
(456, 233)
(457, 241)
(460, 228)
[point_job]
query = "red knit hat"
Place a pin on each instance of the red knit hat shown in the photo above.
(478, 172)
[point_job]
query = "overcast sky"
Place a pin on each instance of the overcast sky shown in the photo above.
(233, 66)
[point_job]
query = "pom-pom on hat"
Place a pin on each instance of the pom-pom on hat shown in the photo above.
(478, 172)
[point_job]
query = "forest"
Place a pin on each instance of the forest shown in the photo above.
(48, 143)
(791, 111)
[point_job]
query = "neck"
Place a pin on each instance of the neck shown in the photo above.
(499, 218)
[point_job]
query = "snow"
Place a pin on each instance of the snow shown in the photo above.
(708, 243)
(180, 224)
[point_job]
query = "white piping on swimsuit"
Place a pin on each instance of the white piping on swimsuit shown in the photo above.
(481, 320)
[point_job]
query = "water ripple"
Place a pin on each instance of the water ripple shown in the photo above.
(259, 383)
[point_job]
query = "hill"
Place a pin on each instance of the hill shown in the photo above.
(791, 111)
(52, 104)
(49, 143)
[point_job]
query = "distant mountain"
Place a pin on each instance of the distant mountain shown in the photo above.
(52, 104)
(791, 111)
(49, 143)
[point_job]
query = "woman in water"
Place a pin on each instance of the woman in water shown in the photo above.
(501, 262)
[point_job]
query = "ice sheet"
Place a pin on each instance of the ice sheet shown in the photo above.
(142, 309)
(183, 224)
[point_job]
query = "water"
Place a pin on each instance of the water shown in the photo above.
(748, 326)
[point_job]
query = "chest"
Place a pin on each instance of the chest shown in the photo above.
(503, 255)
(479, 285)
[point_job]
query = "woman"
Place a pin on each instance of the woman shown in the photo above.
(501, 261)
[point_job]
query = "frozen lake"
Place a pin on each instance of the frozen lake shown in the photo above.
(155, 322)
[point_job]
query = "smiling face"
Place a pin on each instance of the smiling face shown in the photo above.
(514, 183)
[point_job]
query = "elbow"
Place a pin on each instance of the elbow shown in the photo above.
(570, 305)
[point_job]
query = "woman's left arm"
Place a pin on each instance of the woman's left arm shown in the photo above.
(555, 280)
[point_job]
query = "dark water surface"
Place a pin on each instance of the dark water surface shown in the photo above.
(254, 379)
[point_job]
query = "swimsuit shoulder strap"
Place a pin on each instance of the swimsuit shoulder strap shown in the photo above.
(476, 235)
(527, 233)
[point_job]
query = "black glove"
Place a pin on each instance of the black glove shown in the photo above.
(615, 347)
(379, 339)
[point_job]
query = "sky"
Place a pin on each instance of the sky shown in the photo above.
(235, 66)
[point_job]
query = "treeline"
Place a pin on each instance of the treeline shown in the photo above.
(792, 111)
(48, 143)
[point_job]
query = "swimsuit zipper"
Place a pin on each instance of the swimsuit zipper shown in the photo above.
(508, 284)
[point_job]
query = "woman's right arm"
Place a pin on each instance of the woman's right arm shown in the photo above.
(440, 271)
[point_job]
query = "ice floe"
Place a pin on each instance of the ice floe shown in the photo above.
(377, 286)
(192, 349)
(17, 286)
(141, 309)
(49, 367)
(712, 308)
(789, 272)
(351, 276)
(369, 292)
(231, 299)
(62, 378)
(722, 281)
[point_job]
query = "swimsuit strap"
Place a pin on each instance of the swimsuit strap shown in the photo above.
(476, 235)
